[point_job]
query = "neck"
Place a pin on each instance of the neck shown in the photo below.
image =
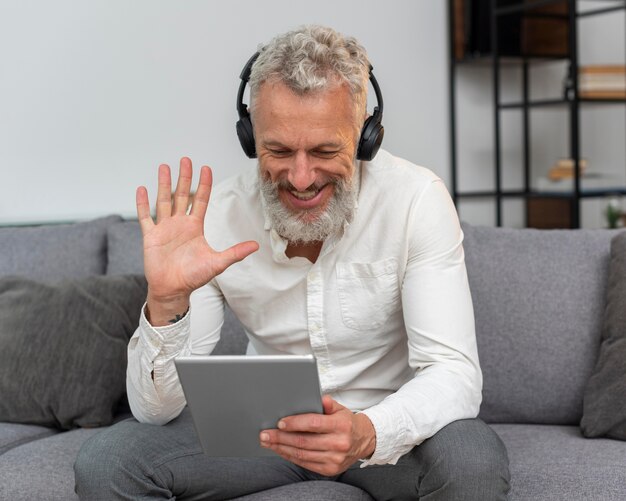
(311, 251)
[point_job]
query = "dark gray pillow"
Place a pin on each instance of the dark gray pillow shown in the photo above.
(604, 407)
(63, 348)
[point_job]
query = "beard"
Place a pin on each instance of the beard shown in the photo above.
(312, 225)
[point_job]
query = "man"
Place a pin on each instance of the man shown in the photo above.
(360, 263)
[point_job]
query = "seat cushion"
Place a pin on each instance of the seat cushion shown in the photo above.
(55, 252)
(15, 434)
(539, 300)
(42, 469)
(557, 462)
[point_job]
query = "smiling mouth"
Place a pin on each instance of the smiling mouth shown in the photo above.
(307, 194)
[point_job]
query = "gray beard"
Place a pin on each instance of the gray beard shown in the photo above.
(296, 229)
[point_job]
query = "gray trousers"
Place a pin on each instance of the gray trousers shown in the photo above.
(466, 461)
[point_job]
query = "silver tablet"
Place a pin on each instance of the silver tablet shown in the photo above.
(233, 398)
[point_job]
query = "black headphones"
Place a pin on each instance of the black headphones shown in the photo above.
(371, 134)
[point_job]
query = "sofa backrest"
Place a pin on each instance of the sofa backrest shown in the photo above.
(54, 252)
(539, 299)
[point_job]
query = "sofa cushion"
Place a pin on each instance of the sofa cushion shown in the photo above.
(42, 469)
(63, 348)
(604, 408)
(539, 298)
(557, 462)
(15, 434)
(125, 248)
(55, 252)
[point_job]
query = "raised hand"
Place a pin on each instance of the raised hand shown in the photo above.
(177, 257)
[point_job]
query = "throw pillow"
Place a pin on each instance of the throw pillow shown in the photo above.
(63, 348)
(604, 405)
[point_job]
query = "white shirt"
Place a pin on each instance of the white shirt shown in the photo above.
(386, 308)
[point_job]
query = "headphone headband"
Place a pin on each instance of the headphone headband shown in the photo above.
(372, 132)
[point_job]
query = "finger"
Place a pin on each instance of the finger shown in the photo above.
(323, 462)
(181, 196)
(308, 423)
(143, 210)
(234, 254)
(305, 441)
(203, 193)
(300, 456)
(164, 195)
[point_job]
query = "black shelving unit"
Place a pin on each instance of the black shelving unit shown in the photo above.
(498, 11)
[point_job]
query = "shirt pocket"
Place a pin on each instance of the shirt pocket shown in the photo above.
(368, 293)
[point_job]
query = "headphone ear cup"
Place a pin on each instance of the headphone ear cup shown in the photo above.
(371, 138)
(246, 136)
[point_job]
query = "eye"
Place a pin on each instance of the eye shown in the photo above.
(279, 152)
(325, 153)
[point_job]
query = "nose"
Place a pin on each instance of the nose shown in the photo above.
(302, 172)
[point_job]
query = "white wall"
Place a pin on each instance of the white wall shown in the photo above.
(94, 95)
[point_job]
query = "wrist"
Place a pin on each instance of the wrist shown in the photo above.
(368, 436)
(162, 311)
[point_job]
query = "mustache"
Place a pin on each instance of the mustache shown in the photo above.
(284, 184)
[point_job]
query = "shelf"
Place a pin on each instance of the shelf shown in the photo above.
(559, 102)
(605, 10)
(587, 193)
(547, 26)
(530, 6)
(487, 59)
(524, 7)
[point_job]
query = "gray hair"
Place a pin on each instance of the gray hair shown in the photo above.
(313, 58)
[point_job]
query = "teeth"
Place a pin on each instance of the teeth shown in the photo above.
(304, 195)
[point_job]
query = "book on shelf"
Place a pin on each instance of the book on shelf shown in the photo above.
(564, 168)
(602, 81)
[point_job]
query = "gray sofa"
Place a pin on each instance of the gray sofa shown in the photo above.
(539, 298)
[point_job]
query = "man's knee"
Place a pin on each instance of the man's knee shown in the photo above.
(466, 460)
(105, 459)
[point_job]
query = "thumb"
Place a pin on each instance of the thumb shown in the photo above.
(234, 254)
(330, 405)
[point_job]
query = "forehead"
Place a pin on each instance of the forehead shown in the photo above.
(278, 112)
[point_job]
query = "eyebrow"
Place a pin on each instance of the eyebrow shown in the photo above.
(329, 144)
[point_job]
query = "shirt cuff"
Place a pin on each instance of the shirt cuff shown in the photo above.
(391, 436)
(166, 340)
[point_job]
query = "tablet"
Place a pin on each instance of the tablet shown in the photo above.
(233, 398)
